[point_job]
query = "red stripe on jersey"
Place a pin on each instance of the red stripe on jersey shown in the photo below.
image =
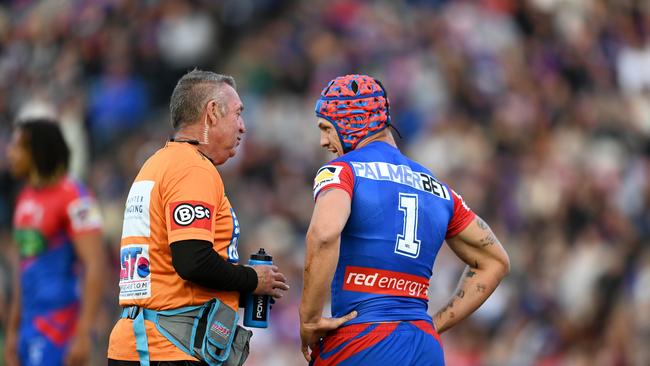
(379, 333)
(461, 218)
(427, 327)
(343, 335)
(59, 326)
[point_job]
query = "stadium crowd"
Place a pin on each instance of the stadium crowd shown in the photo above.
(537, 111)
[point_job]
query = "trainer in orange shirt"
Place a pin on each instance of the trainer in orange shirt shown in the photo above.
(179, 237)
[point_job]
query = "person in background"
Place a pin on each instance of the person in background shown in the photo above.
(378, 223)
(180, 233)
(57, 226)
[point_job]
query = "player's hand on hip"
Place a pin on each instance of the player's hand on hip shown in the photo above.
(79, 351)
(312, 332)
(270, 281)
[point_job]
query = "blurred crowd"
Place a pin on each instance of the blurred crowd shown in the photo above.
(537, 111)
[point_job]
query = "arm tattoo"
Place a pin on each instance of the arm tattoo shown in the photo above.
(480, 287)
(447, 307)
(460, 294)
(488, 240)
(482, 224)
(470, 274)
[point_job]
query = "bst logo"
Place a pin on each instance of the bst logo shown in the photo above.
(188, 214)
(134, 261)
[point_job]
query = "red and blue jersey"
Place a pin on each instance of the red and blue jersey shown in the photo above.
(400, 216)
(45, 221)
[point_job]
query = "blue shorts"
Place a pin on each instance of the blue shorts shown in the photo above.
(44, 339)
(395, 343)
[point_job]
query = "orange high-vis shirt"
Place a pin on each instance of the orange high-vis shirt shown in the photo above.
(178, 195)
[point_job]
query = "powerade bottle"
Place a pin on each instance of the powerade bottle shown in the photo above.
(256, 312)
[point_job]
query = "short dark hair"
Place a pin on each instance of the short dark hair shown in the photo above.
(44, 141)
(192, 93)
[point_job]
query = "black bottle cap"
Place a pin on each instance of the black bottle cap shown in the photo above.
(261, 255)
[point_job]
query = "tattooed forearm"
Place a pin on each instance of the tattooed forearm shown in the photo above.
(444, 310)
(460, 294)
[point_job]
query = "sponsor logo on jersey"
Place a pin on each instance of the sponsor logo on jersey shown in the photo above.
(84, 214)
(382, 282)
(194, 214)
(29, 213)
(401, 174)
(31, 242)
(329, 174)
(135, 279)
(233, 254)
(136, 210)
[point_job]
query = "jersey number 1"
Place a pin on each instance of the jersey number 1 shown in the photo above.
(407, 242)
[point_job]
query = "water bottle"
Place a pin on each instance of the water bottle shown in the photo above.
(256, 312)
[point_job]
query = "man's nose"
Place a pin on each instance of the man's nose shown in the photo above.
(323, 140)
(242, 126)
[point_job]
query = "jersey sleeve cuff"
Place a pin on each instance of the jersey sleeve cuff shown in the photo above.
(461, 226)
(333, 186)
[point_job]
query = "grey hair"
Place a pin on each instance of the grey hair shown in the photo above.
(193, 91)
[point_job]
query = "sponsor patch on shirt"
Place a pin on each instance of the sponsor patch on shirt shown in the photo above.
(382, 282)
(191, 214)
(401, 174)
(84, 214)
(135, 272)
(136, 210)
(233, 254)
(329, 174)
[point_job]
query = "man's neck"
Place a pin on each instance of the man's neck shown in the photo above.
(385, 136)
(193, 134)
(36, 180)
(187, 133)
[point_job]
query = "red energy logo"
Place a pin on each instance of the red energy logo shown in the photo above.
(377, 281)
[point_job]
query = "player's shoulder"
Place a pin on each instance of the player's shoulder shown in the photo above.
(416, 166)
(71, 188)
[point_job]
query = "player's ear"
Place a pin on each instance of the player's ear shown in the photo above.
(213, 112)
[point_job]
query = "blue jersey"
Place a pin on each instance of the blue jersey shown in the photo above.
(400, 216)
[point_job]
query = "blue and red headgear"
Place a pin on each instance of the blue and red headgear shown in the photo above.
(357, 106)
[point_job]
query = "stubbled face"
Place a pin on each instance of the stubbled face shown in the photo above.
(329, 139)
(227, 130)
(20, 162)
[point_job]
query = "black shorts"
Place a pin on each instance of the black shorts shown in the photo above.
(156, 363)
